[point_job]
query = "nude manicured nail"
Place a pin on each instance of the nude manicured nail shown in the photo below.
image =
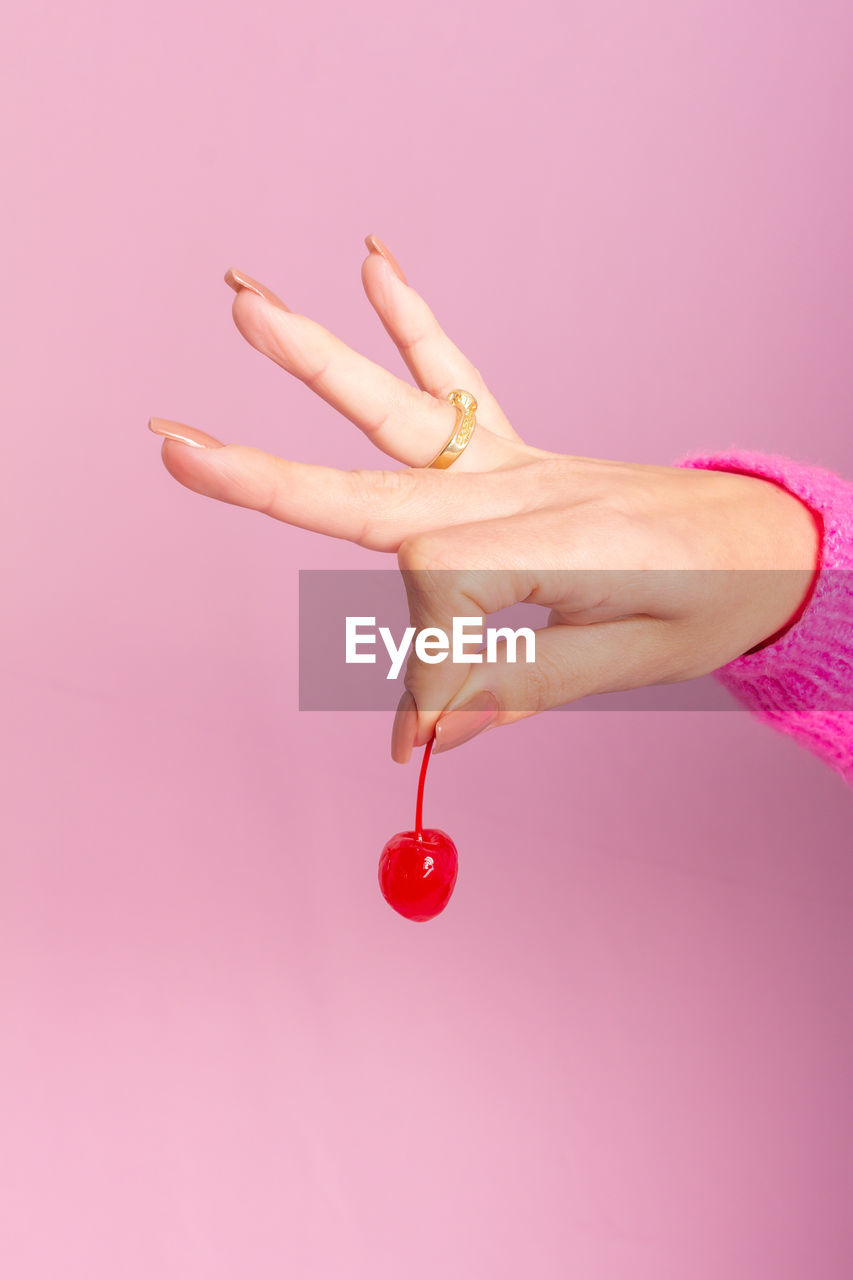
(375, 245)
(183, 434)
(404, 729)
(239, 280)
(466, 721)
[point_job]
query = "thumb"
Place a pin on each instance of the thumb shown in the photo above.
(447, 608)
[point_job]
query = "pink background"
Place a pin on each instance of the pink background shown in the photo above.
(625, 1050)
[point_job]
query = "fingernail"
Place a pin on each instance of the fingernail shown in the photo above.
(183, 434)
(466, 721)
(239, 280)
(375, 245)
(404, 728)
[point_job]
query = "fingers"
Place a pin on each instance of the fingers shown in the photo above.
(453, 604)
(377, 509)
(442, 596)
(571, 662)
(446, 598)
(435, 362)
(403, 421)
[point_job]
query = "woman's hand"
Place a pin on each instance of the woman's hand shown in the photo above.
(514, 522)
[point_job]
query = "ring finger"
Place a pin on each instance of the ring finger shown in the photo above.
(435, 362)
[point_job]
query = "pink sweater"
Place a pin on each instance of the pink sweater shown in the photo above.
(802, 683)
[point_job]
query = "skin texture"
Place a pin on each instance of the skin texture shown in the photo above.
(595, 541)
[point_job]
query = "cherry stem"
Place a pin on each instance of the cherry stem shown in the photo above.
(419, 812)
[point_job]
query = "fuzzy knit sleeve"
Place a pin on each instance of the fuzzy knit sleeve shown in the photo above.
(802, 683)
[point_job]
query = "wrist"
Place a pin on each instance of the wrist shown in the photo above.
(785, 535)
(796, 533)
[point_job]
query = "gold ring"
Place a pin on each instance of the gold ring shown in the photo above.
(466, 407)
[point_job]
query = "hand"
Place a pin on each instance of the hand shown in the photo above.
(515, 523)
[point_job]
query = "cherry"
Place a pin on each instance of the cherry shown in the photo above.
(417, 872)
(417, 869)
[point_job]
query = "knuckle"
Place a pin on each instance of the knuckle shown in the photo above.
(394, 406)
(316, 353)
(418, 553)
(409, 343)
(539, 687)
(404, 403)
(381, 496)
(314, 374)
(381, 486)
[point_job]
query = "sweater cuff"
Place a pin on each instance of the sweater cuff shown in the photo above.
(802, 683)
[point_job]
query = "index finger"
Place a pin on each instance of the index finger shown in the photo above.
(376, 509)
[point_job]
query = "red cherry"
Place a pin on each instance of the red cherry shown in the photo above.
(417, 872)
(417, 869)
